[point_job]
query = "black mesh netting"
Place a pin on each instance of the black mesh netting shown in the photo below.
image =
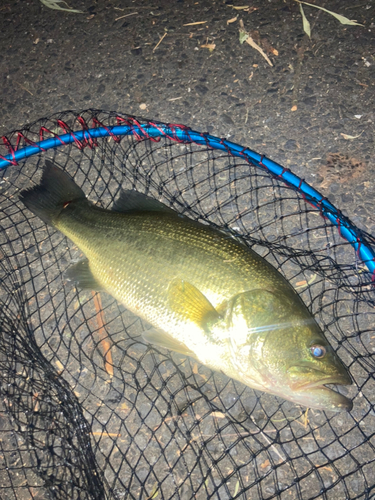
(89, 411)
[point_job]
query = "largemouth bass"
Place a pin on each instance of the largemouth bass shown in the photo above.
(205, 293)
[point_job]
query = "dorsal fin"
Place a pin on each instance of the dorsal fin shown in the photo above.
(132, 201)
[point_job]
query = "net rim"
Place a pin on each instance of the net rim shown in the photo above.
(144, 129)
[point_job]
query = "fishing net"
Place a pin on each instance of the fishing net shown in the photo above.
(90, 411)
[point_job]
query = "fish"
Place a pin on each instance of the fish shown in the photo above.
(203, 291)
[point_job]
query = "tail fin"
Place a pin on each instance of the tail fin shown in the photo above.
(55, 190)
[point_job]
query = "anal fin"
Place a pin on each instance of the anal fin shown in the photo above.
(82, 276)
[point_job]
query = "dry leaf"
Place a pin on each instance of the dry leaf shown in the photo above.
(301, 283)
(263, 42)
(60, 366)
(267, 46)
(195, 369)
(233, 20)
(306, 24)
(154, 492)
(236, 488)
(351, 137)
(339, 17)
(255, 46)
(304, 283)
(194, 24)
(265, 464)
(210, 46)
(53, 4)
(326, 468)
(251, 9)
(218, 414)
(243, 36)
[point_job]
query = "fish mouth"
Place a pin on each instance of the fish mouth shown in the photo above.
(326, 398)
(316, 394)
(338, 380)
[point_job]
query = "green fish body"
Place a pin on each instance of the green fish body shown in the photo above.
(204, 292)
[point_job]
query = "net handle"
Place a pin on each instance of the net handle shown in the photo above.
(181, 133)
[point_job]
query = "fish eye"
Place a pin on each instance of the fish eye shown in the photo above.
(318, 351)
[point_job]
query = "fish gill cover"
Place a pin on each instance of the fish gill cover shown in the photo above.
(91, 411)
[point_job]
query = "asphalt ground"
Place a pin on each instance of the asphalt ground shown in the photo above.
(312, 111)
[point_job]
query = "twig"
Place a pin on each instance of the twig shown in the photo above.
(126, 15)
(24, 88)
(159, 42)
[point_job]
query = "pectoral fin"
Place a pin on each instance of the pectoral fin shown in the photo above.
(190, 304)
(163, 339)
(82, 276)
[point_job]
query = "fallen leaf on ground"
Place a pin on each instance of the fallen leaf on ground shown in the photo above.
(255, 46)
(236, 488)
(234, 19)
(306, 24)
(218, 414)
(251, 9)
(242, 7)
(339, 17)
(301, 283)
(351, 137)
(60, 366)
(246, 37)
(53, 4)
(194, 24)
(210, 46)
(154, 492)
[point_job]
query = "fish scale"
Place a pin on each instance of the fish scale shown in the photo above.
(157, 248)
